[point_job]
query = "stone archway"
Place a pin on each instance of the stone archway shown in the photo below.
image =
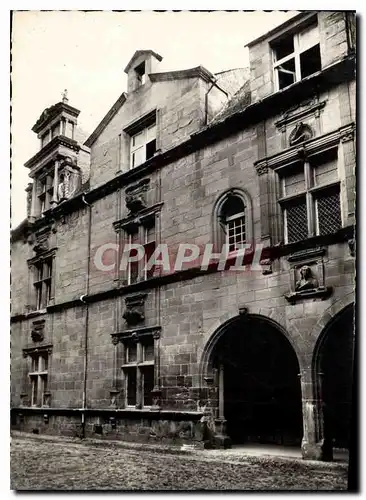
(253, 365)
(332, 368)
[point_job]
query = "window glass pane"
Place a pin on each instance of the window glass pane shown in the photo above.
(132, 353)
(151, 133)
(308, 37)
(326, 172)
(310, 61)
(294, 183)
(138, 139)
(329, 213)
(148, 350)
(43, 363)
(44, 384)
(34, 390)
(35, 364)
(236, 233)
(283, 47)
(131, 386)
(148, 383)
(297, 221)
(138, 157)
(286, 73)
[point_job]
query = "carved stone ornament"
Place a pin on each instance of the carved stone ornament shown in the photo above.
(307, 285)
(301, 133)
(134, 309)
(306, 281)
(266, 265)
(262, 168)
(135, 196)
(37, 332)
(41, 243)
(135, 202)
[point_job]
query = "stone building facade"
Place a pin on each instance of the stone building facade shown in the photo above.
(263, 156)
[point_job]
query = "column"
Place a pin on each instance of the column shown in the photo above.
(139, 377)
(115, 390)
(54, 200)
(33, 212)
(156, 392)
(314, 446)
(221, 439)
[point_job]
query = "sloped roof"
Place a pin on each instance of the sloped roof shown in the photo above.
(139, 53)
(107, 118)
(240, 100)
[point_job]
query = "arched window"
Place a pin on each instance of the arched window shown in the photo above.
(232, 220)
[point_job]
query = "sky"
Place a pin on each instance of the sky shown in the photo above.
(86, 53)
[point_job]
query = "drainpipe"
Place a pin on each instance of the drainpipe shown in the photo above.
(86, 334)
(213, 84)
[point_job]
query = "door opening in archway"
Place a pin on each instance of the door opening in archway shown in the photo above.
(335, 371)
(261, 385)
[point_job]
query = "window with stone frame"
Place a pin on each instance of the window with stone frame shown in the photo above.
(138, 371)
(38, 377)
(232, 223)
(45, 192)
(149, 236)
(143, 235)
(132, 266)
(296, 55)
(233, 219)
(42, 284)
(310, 197)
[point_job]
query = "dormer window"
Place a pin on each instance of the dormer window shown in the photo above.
(141, 74)
(296, 56)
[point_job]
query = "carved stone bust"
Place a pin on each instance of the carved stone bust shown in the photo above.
(301, 133)
(306, 281)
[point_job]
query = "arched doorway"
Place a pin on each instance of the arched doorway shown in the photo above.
(258, 374)
(334, 377)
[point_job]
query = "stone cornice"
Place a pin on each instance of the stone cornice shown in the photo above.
(198, 71)
(297, 115)
(136, 333)
(50, 113)
(312, 146)
(150, 413)
(48, 148)
(28, 351)
(138, 218)
(343, 235)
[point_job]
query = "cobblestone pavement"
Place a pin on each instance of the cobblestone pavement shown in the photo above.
(40, 464)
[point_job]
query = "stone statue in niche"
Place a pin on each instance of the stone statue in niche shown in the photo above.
(300, 133)
(306, 281)
(68, 185)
